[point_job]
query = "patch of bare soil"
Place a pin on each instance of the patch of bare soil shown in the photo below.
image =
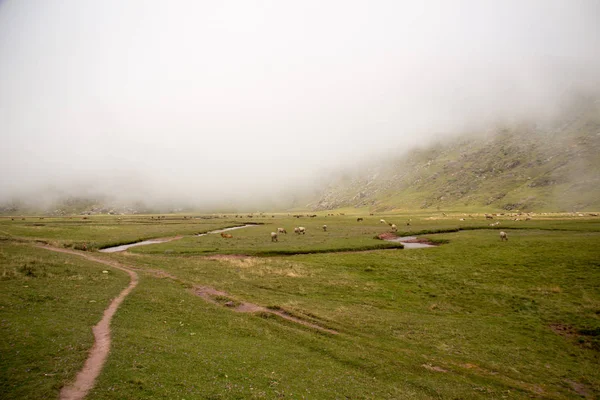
(579, 388)
(563, 330)
(212, 296)
(434, 368)
(86, 378)
(387, 236)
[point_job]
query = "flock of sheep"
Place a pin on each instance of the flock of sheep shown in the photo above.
(299, 230)
(394, 228)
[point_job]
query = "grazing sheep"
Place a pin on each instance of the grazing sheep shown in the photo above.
(301, 230)
(394, 228)
(359, 219)
(226, 235)
(281, 230)
(274, 237)
(296, 230)
(382, 221)
(324, 228)
(488, 216)
(503, 236)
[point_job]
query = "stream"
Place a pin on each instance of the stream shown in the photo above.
(124, 247)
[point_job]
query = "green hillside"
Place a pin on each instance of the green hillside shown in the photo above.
(525, 166)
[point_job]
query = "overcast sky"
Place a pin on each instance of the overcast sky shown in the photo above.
(210, 100)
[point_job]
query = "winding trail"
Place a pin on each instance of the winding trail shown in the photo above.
(86, 378)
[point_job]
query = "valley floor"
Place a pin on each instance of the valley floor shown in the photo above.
(335, 313)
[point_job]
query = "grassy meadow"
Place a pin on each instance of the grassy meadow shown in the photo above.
(472, 318)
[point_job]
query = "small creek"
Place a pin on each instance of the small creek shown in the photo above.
(410, 242)
(124, 247)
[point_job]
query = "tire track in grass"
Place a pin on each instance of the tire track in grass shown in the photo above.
(86, 377)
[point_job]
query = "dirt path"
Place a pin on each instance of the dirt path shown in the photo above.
(210, 294)
(93, 365)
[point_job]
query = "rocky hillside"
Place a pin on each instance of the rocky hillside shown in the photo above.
(527, 166)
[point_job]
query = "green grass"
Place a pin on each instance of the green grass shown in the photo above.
(473, 318)
(103, 231)
(48, 302)
(343, 234)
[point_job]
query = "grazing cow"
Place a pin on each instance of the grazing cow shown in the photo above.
(324, 228)
(359, 219)
(503, 236)
(394, 228)
(274, 237)
(281, 230)
(301, 230)
(226, 235)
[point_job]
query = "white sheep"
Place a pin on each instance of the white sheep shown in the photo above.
(301, 230)
(503, 236)
(382, 221)
(394, 228)
(281, 230)
(274, 237)
(296, 230)
(324, 228)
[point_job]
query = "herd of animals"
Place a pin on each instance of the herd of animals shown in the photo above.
(300, 230)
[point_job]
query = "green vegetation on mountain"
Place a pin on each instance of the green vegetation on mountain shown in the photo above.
(524, 166)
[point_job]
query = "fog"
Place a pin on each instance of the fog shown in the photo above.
(206, 103)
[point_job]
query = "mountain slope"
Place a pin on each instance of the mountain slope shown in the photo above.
(544, 167)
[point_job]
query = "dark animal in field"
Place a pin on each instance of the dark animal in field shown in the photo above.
(359, 219)
(274, 237)
(503, 236)
(324, 228)
(226, 235)
(488, 216)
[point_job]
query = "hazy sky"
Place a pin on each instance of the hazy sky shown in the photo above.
(226, 99)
